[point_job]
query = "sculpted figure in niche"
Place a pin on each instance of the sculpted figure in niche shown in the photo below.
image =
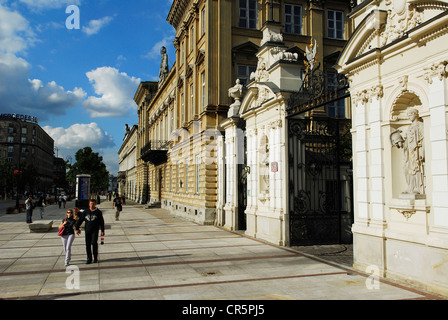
(265, 168)
(412, 143)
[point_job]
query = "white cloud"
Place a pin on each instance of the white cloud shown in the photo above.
(79, 136)
(95, 26)
(154, 53)
(116, 90)
(15, 32)
(19, 93)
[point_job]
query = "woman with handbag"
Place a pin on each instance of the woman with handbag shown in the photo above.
(67, 233)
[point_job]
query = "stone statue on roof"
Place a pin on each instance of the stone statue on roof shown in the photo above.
(164, 70)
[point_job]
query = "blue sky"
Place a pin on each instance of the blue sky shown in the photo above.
(80, 83)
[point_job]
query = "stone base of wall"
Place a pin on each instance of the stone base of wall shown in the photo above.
(201, 215)
(424, 265)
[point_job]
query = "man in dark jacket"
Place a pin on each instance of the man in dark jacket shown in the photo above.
(94, 220)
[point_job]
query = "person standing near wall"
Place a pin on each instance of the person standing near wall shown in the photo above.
(29, 209)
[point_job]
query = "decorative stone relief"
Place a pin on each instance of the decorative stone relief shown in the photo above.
(367, 95)
(236, 92)
(264, 169)
(271, 35)
(261, 74)
(401, 17)
(403, 83)
(412, 143)
(281, 54)
(436, 70)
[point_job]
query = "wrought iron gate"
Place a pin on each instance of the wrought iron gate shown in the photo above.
(319, 196)
(320, 149)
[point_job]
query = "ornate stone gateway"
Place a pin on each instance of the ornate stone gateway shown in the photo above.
(319, 151)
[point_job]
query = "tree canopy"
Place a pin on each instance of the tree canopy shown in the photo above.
(89, 162)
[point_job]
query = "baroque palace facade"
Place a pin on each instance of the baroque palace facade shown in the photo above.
(307, 122)
(180, 116)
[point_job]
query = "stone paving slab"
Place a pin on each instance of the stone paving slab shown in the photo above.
(152, 255)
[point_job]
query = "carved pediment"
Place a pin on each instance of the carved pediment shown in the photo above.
(389, 21)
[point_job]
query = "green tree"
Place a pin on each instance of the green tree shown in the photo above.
(89, 162)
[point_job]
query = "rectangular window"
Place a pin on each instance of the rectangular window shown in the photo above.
(243, 73)
(248, 14)
(203, 89)
(335, 24)
(335, 109)
(166, 127)
(191, 39)
(23, 140)
(203, 20)
(182, 101)
(24, 130)
(192, 106)
(293, 19)
(10, 129)
(10, 149)
(10, 139)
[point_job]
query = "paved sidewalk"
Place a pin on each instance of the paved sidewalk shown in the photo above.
(150, 254)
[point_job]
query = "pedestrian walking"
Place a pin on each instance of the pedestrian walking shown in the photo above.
(29, 206)
(41, 203)
(64, 200)
(68, 235)
(94, 221)
(60, 201)
(76, 212)
(117, 204)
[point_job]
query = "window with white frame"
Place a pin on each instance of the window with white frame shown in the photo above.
(335, 24)
(248, 14)
(293, 19)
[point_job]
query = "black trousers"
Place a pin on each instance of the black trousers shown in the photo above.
(92, 245)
